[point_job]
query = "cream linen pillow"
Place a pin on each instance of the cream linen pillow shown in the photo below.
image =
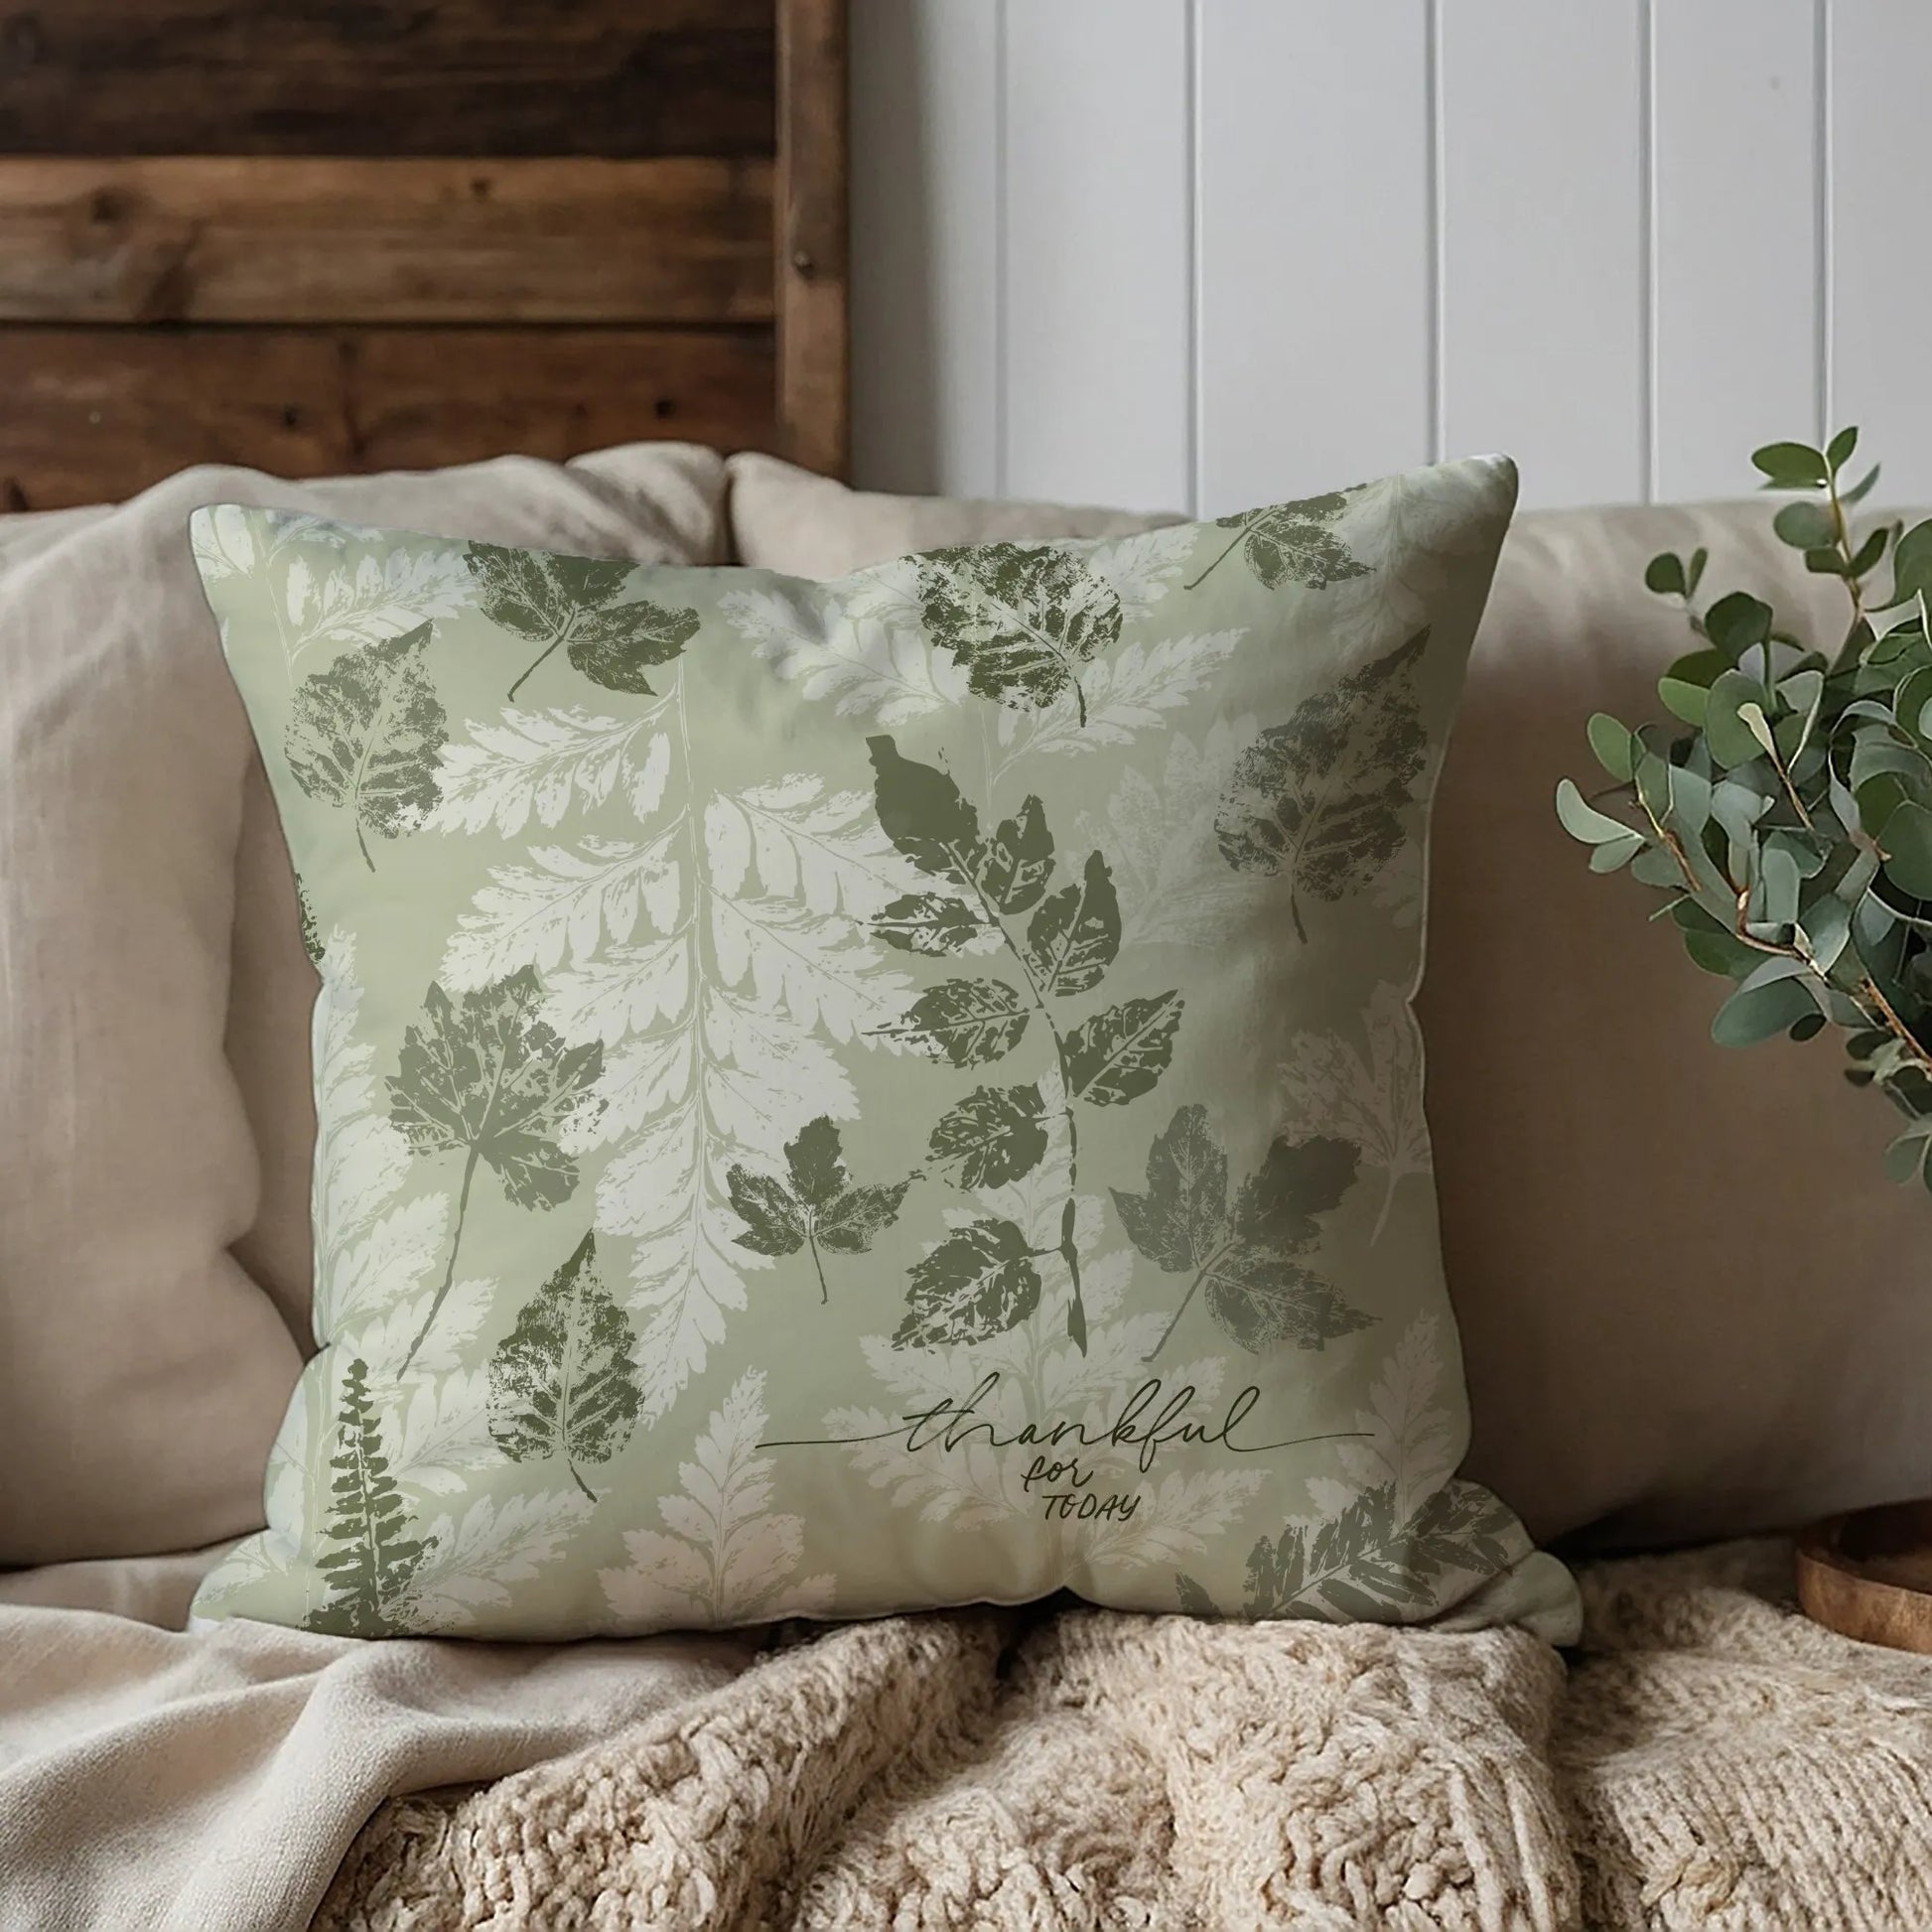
(807, 526)
(155, 1133)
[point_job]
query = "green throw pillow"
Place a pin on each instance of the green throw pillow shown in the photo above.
(836, 1098)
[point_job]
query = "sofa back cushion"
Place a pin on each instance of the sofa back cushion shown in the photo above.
(155, 1121)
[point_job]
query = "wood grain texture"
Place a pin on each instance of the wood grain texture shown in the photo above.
(197, 239)
(811, 271)
(613, 78)
(94, 415)
(1869, 1574)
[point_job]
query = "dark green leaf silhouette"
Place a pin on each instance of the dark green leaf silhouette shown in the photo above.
(994, 1135)
(310, 939)
(1291, 543)
(372, 1562)
(966, 1021)
(1074, 936)
(821, 1208)
(1325, 798)
(562, 1382)
(1260, 1299)
(1017, 861)
(1257, 1292)
(922, 811)
(1020, 618)
(1371, 1560)
(1118, 1054)
(485, 1077)
(366, 734)
(976, 1283)
(573, 601)
(927, 922)
(1194, 1598)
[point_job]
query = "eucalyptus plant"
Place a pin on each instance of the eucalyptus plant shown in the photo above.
(1787, 811)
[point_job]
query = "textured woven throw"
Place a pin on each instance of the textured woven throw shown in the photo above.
(1706, 1758)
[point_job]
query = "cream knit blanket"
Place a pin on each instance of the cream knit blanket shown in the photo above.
(1707, 1758)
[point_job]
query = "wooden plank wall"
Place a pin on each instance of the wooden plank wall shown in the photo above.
(316, 236)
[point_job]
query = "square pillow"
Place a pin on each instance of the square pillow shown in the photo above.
(156, 1132)
(841, 1097)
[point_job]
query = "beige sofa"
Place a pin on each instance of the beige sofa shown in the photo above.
(1690, 1307)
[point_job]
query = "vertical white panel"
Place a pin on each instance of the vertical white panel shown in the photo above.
(1098, 195)
(925, 245)
(1880, 270)
(1544, 328)
(1316, 318)
(1735, 196)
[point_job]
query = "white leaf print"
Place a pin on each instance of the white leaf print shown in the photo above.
(387, 1338)
(563, 902)
(734, 1084)
(626, 990)
(826, 848)
(878, 667)
(1409, 1437)
(1126, 693)
(1174, 887)
(223, 541)
(1373, 1098)
(535, 763)
(368, 1253)
(377, 595)
(1143, 569)
(1408, 530)
(729, 1558)
(495, 1542)
(437, 1431)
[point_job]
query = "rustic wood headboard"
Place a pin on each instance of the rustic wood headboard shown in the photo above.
(331, 235)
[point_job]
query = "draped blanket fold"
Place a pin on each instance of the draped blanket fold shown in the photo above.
(1705, 1758)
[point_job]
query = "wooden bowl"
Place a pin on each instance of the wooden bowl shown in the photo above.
(1869, 1574)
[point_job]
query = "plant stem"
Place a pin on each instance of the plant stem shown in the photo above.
(448, 1273)
(1847, 654)
(568, 626)
(1166, 1335)
(579, 1481)
(1077, 1318)
(811, 1241)
(1239, 535)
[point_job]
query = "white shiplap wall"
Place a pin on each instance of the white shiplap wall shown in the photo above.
(1199, 254)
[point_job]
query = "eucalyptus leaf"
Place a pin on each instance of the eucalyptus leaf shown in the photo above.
(1759, 1012)
(1911, 563)
(1664, 574)
(1838, 452)
(1907, 841)
(1792, 466)
(1736, 622)
(1805, 526)
(1583, 821)
(1614, 747)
